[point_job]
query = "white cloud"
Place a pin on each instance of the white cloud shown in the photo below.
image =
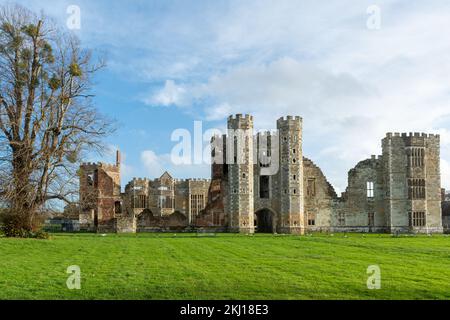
(152, 163)
(346, 114)
(218, 112)
(155, 165)
(171, 94)
(350, 84)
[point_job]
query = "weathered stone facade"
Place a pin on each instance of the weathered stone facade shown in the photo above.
(263, 183)
(165, 202)
(100, 198)
(146, 205)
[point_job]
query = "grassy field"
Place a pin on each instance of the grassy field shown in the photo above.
(168, 266)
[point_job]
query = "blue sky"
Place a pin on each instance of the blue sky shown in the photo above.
(171, 63)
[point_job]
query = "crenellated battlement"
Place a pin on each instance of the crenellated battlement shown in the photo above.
(240, 121)
(99, 165)
(88, 164)
(289, 121)
(290, 118)
(198, 180)
(140, 180)
(146, 180)
(240, 116)
(411, 135)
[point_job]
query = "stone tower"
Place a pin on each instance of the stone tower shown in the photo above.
(100, 198)
(240, 173)
(291, 175)
(411, 170)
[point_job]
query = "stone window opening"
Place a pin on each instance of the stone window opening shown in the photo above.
(416, 189)
(235, 151)
(117, 207)
(311, 219)
(165, 202)
(370, 189)
(264, 165)
(416, 157)
(417, 219)
(294, 177)
(264, 187)
(90, 179)
(140, 201)
(295, 191)
(197, 203)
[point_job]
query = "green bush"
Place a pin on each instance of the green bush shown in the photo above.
(40, 235)
(13, 227)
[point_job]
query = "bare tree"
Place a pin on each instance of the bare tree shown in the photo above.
(47, 120)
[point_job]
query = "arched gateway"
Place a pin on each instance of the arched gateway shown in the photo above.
(264, 221)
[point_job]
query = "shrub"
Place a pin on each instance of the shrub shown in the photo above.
(40, 234)
(13, 228)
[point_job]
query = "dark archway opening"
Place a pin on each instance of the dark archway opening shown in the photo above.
(264, 221)
(95, 219)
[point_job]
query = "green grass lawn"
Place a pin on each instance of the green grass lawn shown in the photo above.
(185, 266)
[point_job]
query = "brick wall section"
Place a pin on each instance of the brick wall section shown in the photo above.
(99, 192)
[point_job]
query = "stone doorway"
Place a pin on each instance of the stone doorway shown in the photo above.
(264, 221)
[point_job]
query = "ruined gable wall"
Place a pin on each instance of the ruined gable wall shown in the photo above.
(319, 204)
(357, 204)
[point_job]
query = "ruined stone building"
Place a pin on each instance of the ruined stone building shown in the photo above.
(146, 205)
(165, 202)
(263, 183)
(100, 197)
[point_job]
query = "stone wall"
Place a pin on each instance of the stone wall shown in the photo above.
(291, 176)
(125, 224)
(100, 197)
(361, 207)
(399, 152)
(240, 173)
(384, 193)
(319, 196)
